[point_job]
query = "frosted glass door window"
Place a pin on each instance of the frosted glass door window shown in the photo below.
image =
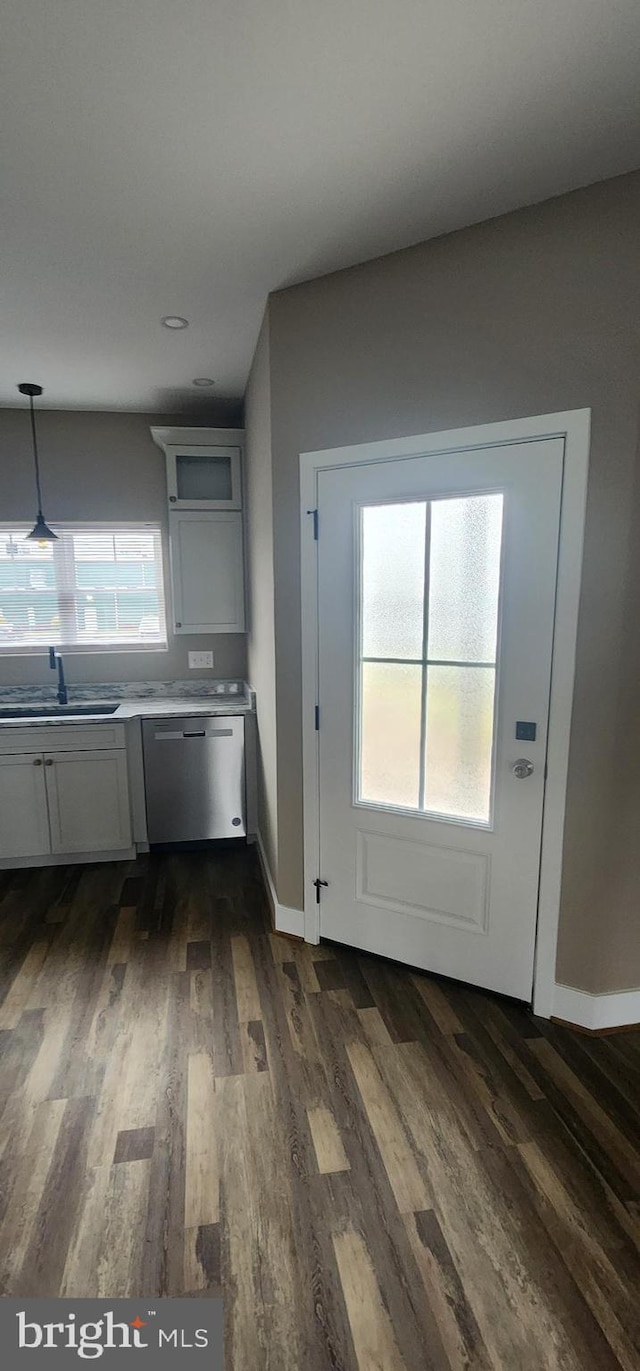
(464, 578)
(204, 478)
(429, 599)
(391, 715)
(459, 740)
(393, 606)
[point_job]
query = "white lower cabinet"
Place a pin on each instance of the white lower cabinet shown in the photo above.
(24, 818)
(57, 801)
(88, 797)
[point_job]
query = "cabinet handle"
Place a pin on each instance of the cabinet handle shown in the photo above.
(178, 625)
(37, 761)
(173, 499)
(48, 761)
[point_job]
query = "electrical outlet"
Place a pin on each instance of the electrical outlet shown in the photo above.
(200, 661)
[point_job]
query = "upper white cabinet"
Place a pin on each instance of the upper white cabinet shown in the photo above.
(204, 478)
(204, 490)
(207, 571)
(204, 467)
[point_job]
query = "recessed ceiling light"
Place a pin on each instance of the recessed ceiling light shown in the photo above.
(175, 321)
(203, 381)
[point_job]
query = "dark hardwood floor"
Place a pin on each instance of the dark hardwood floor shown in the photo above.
(380, 1170)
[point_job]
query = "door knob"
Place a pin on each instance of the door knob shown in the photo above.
(522, 768)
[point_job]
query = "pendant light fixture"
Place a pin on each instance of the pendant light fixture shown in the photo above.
(40, 533)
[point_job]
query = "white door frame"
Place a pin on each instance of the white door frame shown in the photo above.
(574, 428)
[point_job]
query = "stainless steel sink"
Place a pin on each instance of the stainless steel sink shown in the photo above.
(53, 711)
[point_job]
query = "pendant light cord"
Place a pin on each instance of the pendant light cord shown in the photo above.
(35, 453)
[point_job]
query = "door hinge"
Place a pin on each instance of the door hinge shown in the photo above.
(317, 717)
(317, 884)
(314, 512)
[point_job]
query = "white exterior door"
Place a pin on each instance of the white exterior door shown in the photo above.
(436, 588)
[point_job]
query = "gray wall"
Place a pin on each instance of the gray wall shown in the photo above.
(531, 313)
(261, 637)
(100, 466)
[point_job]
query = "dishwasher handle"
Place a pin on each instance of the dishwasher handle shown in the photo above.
(170, 735)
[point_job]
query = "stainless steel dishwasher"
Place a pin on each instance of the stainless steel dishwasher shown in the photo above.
(194, 778)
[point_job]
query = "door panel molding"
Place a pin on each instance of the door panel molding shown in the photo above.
(574, 428)
(375, 856)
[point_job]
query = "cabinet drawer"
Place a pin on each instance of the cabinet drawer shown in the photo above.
(62, 738)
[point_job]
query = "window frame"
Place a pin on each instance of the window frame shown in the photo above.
(66, 590)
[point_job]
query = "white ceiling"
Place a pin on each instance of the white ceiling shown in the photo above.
(189, 156)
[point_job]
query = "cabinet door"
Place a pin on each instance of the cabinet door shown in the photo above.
(207, 572)
(88, 796)
(24, 824)
(204, 477)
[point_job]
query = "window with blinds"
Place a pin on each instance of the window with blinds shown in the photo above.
(97, 587)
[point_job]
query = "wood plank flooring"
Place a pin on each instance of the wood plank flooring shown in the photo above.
(381, 1171)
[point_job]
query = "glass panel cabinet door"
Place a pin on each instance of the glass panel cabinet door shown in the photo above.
(204, 477)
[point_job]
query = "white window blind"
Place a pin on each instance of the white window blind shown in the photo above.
(97, 587)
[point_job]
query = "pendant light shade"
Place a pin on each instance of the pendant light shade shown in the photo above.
(40, 533)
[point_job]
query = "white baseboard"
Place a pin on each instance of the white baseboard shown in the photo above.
(121, 854)
(614, 1010)
(285, 919)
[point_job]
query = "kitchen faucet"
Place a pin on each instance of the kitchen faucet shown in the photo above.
(56, 662)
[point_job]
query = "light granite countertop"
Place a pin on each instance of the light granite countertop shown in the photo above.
(152, 702)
